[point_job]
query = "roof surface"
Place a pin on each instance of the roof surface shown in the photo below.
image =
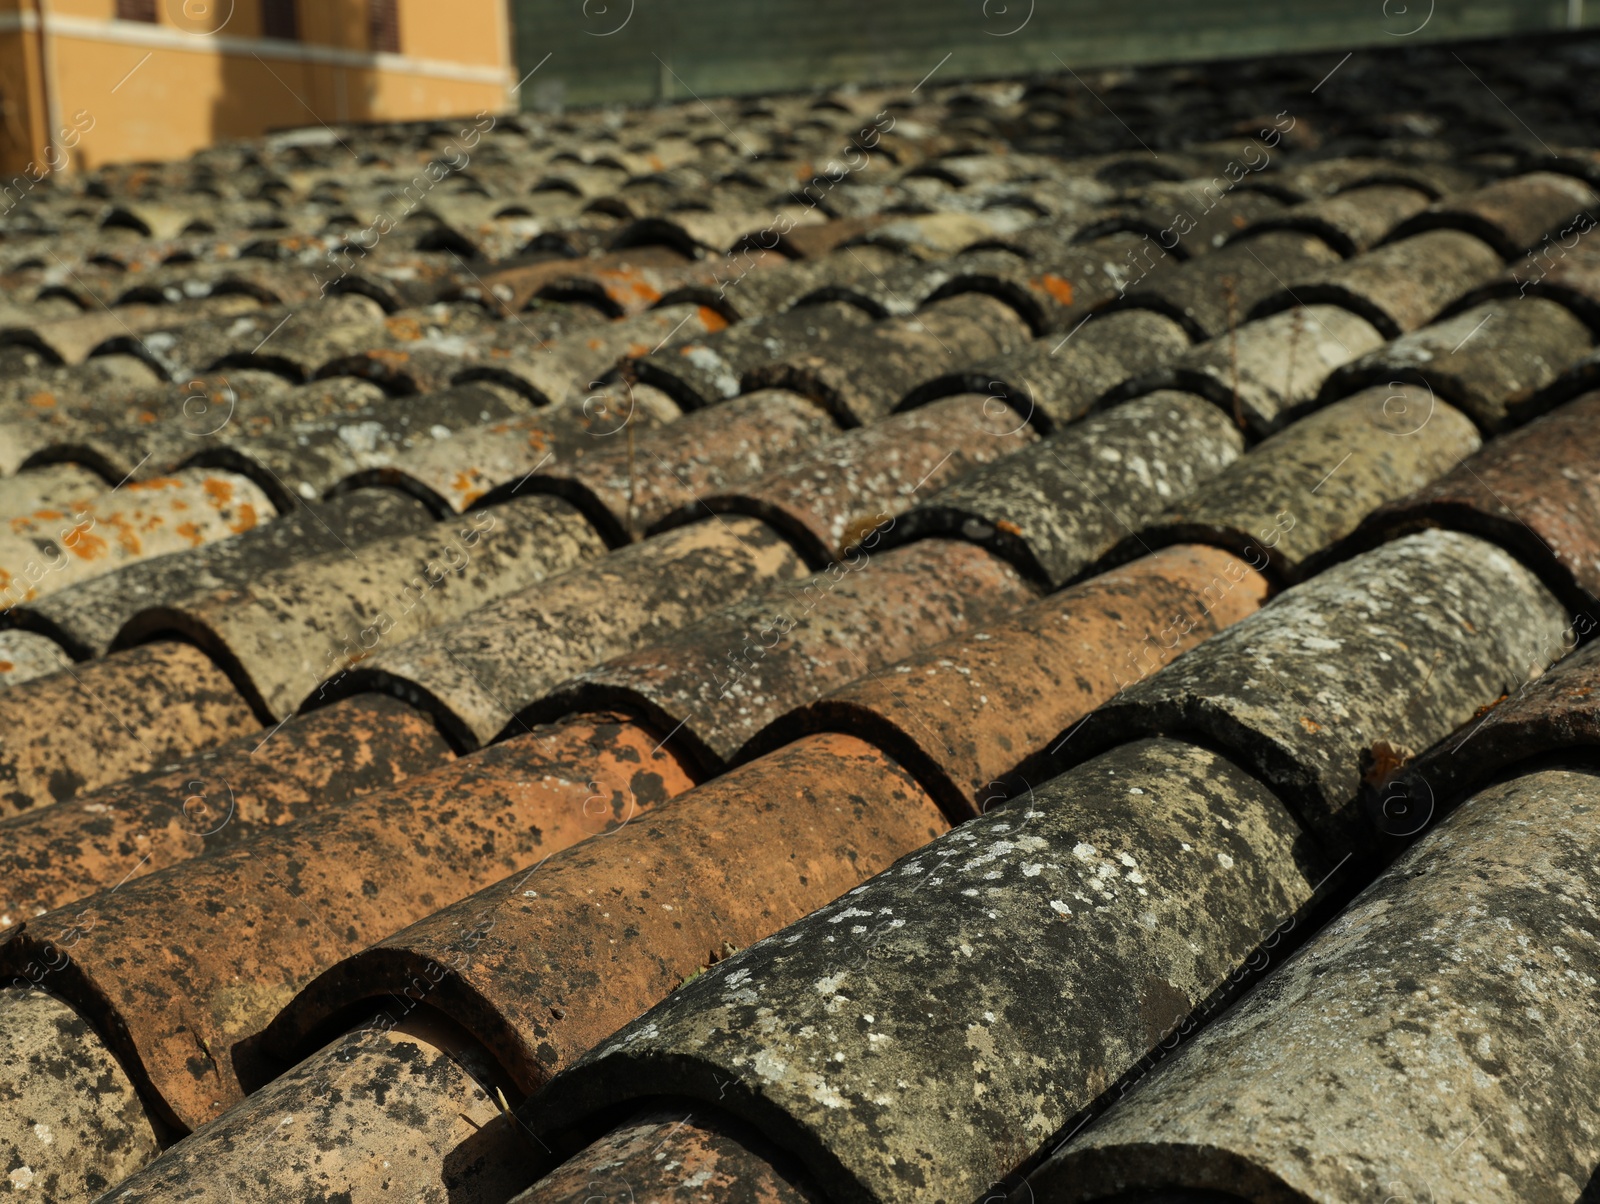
(1024, 637)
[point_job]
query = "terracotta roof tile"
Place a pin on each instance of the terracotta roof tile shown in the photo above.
(70, 340)
(1211, 294)
(303, 461)
(1510, 215)
(1353, 220)
(89, 725)
(1495, 360)
(293, 628)
(1056, 381)
(715, 683)
(75, 1114)
(988, 705)
(292, 342)
(863, 373)
(1397, 287)
(1393, 995)
(25, 655)
(1268, 690)
(1298, 493)
(643, 908)
(1532, 491)
(85, 618)
(48, 549)
(365, 1097)
(1054, 507)
(627, 485)
(833, 497)
(1271, 371)
(1131, 886)
(459, 830)
(477, 674)
(656, 1152)
(699, 372)
(209, 800)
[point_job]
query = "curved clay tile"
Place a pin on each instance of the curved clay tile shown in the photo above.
(629, 289)
(289, 631)
(1329, 177)
(1398, 287)
(477, 674)
(1564, 269)
(509, 289)
(27, 396)
(1054, 507)
(640, 910)
(210, 800)
(25, 655)
(716, 682)
(85, 618)
(90, 725)
(1553, 713)
(832, 498)
(1207, 211)
(745, 292)
(971, 716)
(701, 371)
(1495, 360)
(660, 1152)
(1298, 493)
(423, 349)
(1399, 646)
(153, 431)
(290, 341)
(159, 970)
(902, 287)
(1511, 215)
(1269, 372)
(1057, 381)
(1021, 963)
(304, 461)
(455, 474)
(1480, 1076)
(72, 1125)
(1214, 293)
(47, 487)
(1533, 491)
(1352, 221)
(862, 374)
(364, 1097)
(47, 549)
(627, 485)
(71, 340)
(575, 365)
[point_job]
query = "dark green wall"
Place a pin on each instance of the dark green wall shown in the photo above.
(608, 51)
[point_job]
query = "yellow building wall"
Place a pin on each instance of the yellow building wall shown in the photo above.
(133, 91)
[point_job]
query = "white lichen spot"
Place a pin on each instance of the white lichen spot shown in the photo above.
(43, 1133)
(1225, 861)
(1126, 860)
(1083, 851)
(21, 1178)
(1032, 871)
(769, 1066)
(829, 985)
(1060, 908)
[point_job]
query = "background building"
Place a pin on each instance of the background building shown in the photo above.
(85, 82)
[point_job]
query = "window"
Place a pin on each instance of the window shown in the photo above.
(278, 20)
(383, 25)
(136, 10)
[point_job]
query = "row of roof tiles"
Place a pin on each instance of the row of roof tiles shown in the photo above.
(847, 656)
